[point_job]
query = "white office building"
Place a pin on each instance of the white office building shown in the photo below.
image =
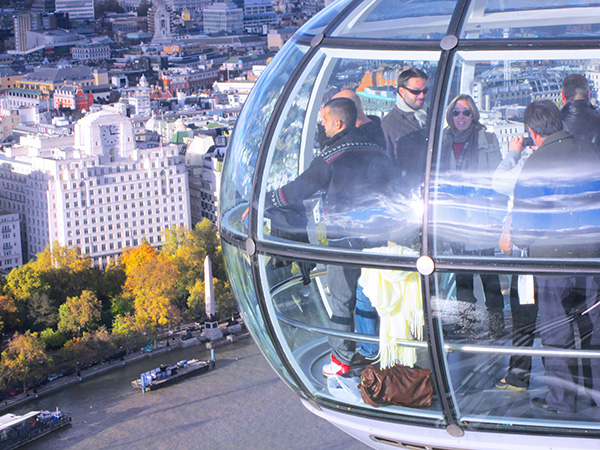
(10, 241)
(77, 9)
(97, 190)
(223, 17)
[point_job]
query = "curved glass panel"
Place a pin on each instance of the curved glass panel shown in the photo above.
(497, 19)
(357, 187)
(240, 277)
(398, 19)
(489, 192)
(319, 22)
(491, 380)
(250, 129)
(344, 311)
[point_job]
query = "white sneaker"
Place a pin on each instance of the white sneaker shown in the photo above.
(335, 367)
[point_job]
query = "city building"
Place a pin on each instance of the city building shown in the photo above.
(37, 88)
(10, 242)
(96, 190)
(72, 97)
(277, 38)
(21, 25)
(9, 77)
(91, 51)
(223, 17)
(77, 9)
(204, 161)
(159, 22)
(43, 6)
(259, 16)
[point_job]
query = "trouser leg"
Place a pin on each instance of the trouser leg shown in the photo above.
(585, 328)
(342, 283)
(555, 331)
(367, 322)
(494, 302)
(523, 322)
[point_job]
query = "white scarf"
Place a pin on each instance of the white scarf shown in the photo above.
(420, 114)
(397, 297)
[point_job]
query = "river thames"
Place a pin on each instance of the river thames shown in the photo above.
(242, 404)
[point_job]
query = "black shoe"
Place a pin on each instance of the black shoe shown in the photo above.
(540, 403)
(361, 360)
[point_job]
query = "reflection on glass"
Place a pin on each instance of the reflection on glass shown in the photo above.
(250, 127)
(399, 19)
(318, 23)
(358, 316)
(470, 207)
(240, 277)
(496, 19)
(360, 186)
(503, 384)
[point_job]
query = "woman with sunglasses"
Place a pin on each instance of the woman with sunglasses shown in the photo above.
(468, 159)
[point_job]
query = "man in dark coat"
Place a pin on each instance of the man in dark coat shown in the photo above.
(580, 118)
(555, 215)
(351, 171)
(403, 125)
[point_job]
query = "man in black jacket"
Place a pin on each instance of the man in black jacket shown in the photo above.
(352, 171)
(555, 215)
(580, 118)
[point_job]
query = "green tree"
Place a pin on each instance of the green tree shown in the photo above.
(26, 281)
(196, 301)
(52, 339)
(225, 304)
(22, 360)
(125, 325)
(67, 272)
(121, 305)
(79, 313)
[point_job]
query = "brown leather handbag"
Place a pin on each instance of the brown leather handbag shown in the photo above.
(397, 385)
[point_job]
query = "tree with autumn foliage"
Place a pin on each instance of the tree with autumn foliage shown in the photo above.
(188, 249)
(9, 314)
(23, 359)
(152, 286)
(42, 285)
(79, 313)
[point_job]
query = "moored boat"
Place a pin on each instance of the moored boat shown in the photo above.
(16, 431)
(166, 375)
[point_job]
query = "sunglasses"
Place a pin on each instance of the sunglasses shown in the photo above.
(416, 91)
(464, 112)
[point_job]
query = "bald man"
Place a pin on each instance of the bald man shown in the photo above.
(369, 126)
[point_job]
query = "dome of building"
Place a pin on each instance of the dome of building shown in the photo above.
(454, 227)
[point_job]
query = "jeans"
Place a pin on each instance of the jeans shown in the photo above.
(366, 322)
(342, 283)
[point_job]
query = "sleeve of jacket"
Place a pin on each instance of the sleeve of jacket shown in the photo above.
(507, 172)
(529, 216)
(293, 194)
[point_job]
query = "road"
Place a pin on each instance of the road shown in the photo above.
(242, 404)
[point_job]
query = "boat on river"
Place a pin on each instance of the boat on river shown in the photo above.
(165, 375)
(16, 431)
